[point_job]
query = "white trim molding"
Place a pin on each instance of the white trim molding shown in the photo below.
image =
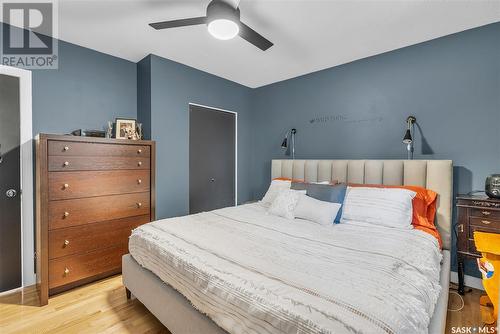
(26, 150)
(470, 281)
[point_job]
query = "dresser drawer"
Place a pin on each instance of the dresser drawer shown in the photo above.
(485, 213)
(74, 268)
(480, 228)
(68, 148)
(65, 185)
(86, 238)
(486, 223)
(82, 211)
(61, 163)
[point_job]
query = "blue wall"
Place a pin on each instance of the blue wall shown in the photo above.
(358, 110)
(88, 90)
(172, 87)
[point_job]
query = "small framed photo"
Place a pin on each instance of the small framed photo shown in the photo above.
(125, 128)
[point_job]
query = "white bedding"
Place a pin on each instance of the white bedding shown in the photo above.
(251, 272)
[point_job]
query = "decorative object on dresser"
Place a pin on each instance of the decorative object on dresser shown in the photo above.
(492, 186)
(95, 133)
(475, 213)
(126, 129)
(91, 192)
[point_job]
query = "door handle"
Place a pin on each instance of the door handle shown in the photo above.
(212, 180)
(11, 193)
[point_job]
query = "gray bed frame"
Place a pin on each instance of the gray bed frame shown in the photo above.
(179, 316)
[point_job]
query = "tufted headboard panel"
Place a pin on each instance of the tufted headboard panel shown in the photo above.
(436, 175)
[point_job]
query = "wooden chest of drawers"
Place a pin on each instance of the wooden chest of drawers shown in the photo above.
(91, 192)
(475, 213)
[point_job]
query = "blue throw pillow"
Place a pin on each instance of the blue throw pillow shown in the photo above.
(328, 193)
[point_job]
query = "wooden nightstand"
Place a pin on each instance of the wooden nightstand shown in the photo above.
(475, 213)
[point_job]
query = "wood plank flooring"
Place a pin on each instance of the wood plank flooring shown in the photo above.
(470, 315)
(102, 307)
(99, 307)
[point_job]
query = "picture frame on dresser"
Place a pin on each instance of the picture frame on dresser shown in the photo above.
(125, 128)
(475, 213)
(90, 194)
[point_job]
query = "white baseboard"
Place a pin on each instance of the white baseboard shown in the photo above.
(470, 281)
(8, 292)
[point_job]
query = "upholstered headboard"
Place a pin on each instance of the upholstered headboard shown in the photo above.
(436, 175)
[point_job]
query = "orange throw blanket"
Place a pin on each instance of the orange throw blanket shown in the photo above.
(489, 246)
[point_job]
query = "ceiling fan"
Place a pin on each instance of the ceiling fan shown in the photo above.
(223, 22)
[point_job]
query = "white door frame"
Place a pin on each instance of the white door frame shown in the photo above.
(26, 152)
(235, 145)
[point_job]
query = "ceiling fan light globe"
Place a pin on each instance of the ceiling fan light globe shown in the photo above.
(223, 29)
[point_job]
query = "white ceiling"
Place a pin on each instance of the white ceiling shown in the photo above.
(308, 35)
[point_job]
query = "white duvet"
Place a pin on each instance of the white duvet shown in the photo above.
(251, 272)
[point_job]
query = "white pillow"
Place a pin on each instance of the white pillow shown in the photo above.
(390, 207)
(317, 211)
(284, 204)
(275, 188)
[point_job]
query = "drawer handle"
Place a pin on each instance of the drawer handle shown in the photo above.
(66, 271)
(139, 205)
(65, 186)
(66, 148)
(66, 214)
(485, 222)
(139, 181)
(486, 213)
(66, 243)
(139, 151)
(66, 163)
(139, 163)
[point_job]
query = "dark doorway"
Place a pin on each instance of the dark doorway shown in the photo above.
(10, 184)
(212, 158)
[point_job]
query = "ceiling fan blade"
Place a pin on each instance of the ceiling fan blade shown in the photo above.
(179, 23)
(254, 37)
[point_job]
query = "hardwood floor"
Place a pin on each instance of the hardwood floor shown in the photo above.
(470, 315)
(102, 307)
(99, 307)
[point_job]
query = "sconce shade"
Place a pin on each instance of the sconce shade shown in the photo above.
(284, 144)
(407, 138)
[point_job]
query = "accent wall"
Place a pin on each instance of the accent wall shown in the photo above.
(358, 110)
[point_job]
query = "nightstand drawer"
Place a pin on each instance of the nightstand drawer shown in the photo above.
(485, 213)
(486, 223)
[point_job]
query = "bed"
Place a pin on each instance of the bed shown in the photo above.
(241, 270)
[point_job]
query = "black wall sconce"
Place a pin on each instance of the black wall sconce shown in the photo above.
(408, 138)
(284, 144)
